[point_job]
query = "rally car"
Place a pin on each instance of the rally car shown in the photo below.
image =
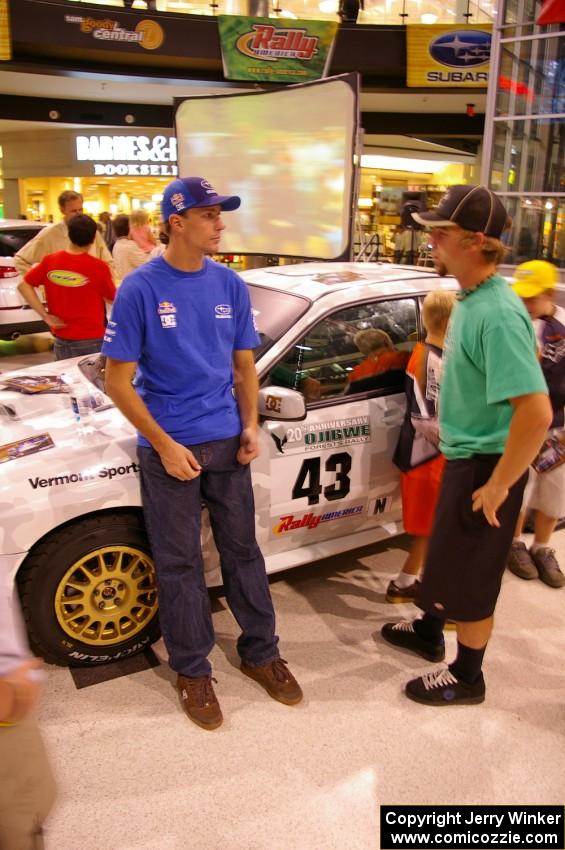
(72, 532)
(16, 317)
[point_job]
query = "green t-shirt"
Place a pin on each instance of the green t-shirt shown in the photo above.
(489, 358)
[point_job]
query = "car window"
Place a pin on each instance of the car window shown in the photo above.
(363, 348)
(12, 240)
(274, 312)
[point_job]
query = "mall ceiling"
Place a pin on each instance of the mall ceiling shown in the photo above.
(97, 99)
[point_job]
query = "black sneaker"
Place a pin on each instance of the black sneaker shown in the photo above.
(441, 687)
(402, 634)
(548, 567)
(396, 594)
(520, 561)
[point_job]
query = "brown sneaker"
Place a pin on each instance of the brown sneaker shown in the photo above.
(548, 566)
(520, 561)
(277, 680)
(199, 701)
(396, 594)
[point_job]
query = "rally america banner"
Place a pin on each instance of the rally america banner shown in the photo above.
(268, 50)
(442, 56)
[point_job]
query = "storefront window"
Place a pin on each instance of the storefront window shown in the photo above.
(532, 77)
(538, 229)
(529, 156)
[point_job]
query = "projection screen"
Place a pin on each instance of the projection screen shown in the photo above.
(289, 154)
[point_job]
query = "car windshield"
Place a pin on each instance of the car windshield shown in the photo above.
(274, 313)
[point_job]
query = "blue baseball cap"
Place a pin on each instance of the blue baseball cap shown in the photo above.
(187, 192)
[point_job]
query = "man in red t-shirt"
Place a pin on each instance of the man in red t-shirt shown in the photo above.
(76, 285)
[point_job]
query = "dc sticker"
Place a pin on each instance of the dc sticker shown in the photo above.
(169, 320)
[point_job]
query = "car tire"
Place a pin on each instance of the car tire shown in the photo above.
(89, 592)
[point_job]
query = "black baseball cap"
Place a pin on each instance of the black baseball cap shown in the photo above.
(473, 208)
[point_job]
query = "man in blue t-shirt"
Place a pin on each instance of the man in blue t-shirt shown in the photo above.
(182, 325)
(493, 415)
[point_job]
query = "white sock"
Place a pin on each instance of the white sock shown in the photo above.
(521, 539)
(535, 546)
(404, 580)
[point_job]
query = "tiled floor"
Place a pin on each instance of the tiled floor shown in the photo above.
(135, 774)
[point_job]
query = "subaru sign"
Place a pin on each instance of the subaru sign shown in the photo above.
(461, 49)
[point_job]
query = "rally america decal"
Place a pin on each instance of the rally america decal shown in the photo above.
(311, 521)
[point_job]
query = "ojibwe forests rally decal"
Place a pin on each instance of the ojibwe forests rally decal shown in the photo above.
(321, 472)
(260, 49)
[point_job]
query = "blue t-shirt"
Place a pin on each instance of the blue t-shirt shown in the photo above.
(182, 328)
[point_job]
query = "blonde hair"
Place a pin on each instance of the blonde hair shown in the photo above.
(138, 218)
(436, 310)
(493, 250)
(372, 340)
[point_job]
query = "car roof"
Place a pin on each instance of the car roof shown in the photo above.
(318, 279)
(11, 223)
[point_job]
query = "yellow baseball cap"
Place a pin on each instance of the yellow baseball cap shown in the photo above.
(533, 278)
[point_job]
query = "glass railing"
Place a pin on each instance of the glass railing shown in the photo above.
(376, 12)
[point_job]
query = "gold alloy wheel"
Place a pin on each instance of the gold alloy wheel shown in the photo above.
(108, 596)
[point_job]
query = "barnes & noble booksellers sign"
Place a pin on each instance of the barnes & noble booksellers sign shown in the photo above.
(446, 56)
(128, 156)
(268, 50)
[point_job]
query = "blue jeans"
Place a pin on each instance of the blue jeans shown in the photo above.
(66, 348)
(172, 511)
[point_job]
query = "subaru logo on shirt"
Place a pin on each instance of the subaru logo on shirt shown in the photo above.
(461, 49)
(223, 311)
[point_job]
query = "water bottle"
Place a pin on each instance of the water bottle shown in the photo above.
(79, 396)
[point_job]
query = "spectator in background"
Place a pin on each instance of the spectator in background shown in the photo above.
(27, 787)
(535, 283)
(417, 453)
(559, 246)
(381, 355)
(161, 246)
(76, 287)
(107, 230)
(397, 238)
(410, 240)
(127, 254)
(56, 237)
(140, 230)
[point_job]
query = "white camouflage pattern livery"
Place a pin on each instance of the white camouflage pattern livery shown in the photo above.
(91, 467)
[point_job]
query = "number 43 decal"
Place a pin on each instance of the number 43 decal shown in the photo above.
(308, 480)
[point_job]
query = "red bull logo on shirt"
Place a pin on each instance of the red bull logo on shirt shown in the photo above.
(166, 307)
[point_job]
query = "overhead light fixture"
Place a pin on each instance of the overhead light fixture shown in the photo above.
(399, 163)
(548, 205)
(428, 18)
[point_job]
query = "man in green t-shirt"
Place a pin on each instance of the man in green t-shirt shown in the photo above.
(494, 413)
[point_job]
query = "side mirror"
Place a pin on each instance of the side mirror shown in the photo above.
(281, 403)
